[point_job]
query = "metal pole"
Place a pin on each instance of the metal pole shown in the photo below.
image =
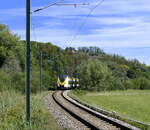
(41, 70)
(28, 60)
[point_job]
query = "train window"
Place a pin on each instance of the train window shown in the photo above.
(70, 82)
(62, 78)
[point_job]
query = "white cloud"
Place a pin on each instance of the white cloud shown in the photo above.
(115, 24)
(133, 14)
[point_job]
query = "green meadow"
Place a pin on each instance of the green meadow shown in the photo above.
(133, 104)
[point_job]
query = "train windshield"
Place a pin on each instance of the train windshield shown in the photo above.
(62, 78)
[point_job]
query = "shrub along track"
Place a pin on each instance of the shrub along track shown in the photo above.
(87, 116)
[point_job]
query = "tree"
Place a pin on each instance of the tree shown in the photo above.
(92, 51)
(94, 75)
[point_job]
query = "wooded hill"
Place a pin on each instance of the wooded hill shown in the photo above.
(96, 69)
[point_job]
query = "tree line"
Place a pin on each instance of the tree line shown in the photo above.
(96, 69)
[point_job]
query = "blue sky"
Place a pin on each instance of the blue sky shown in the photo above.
(117, 26)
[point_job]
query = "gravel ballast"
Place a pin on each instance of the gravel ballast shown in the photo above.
(63, 119)
(84, 115)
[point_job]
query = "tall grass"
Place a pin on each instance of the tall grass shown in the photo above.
(12, 112)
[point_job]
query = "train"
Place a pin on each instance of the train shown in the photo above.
(67, 82)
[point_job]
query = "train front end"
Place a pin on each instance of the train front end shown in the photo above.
(66, 82)
(63, 82)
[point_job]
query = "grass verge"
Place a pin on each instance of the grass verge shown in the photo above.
(132, 104)
(12, 112)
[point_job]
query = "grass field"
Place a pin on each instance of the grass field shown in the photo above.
(12, 112)
(133, 104)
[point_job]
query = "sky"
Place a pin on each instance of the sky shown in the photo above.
(117, 26)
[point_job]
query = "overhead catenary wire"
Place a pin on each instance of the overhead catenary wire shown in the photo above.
(75, 24)
(33, 29)
(58, 3)
(82, 24)
(45, 7)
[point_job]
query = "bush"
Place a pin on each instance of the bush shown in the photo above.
(116, 84)
(5, 82)
(11, 81)
(138, 83)
(94, 75)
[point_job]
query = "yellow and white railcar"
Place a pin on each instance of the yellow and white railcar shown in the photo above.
(66, 82)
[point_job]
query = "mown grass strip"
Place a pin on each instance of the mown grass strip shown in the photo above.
(129, 107)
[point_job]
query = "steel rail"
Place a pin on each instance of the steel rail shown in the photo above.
(86, 123)
(119, 124)
(90, 111)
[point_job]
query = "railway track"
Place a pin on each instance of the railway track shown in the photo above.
(87, 116)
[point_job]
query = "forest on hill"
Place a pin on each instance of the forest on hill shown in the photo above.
(96, 69)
